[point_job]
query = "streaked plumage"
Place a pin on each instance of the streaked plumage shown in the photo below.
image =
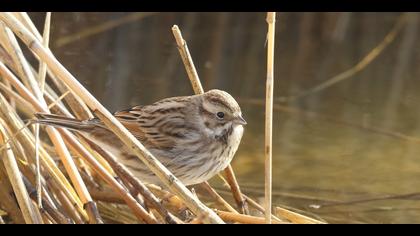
(189, 135)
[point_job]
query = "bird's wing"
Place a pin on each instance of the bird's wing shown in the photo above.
(153, 130)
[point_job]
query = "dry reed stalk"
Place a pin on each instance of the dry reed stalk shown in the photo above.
(24, 68)
(108, 178)
(168, 199)
(251, 202)
(158, 216)
(50, 199)
(80, 109)
(54, 97)
(296, 217)
(255, 205)
(198, 89)
(87, 174)
(245, 219)
(46, 218)
(236, 191)
(61, 109)
(41, 80)
(56, 215)
(188, 62)
(135, 194)
(21, 103)
(10, 43)
(4, 55)
(66, 187)
(78, 148)
(28, 173)
(124, 173)
(19, 190)
(78, 106)
(24, 18)
(195, 221)
(271, 19)
(55, 102)
(54, 202)
(217, 197)
(7, 200)
(11, 100)
(66, 205)
(99, 158)
(115, 213)
(138, 210)
(109, 120)
(93, 212)
(20, 151)
(54, 135)
(45, 41)
(106, 195)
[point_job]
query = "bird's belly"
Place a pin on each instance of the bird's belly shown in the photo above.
(190, 166)
(211, 163)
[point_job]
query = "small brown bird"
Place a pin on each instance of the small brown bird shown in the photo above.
(195, 137)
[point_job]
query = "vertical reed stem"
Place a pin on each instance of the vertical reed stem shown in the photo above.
(45, 41)
(217, 197)
(271, 18)
(188, 62)
(41, 78)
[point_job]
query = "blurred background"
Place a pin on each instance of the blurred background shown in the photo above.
(346, 121)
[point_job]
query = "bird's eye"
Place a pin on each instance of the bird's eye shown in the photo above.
(220, 115)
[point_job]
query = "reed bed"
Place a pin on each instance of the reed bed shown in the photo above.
(52, 176)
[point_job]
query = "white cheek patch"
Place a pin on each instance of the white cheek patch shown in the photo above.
(217, 131)
(220, 130)
(209, 132)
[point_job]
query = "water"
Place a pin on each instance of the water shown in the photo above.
(355, 140)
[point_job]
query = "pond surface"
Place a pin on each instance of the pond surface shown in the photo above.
(357, 139)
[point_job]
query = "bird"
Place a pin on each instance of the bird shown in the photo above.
(195, 137)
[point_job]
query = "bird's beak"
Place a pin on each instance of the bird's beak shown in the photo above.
(240, 120)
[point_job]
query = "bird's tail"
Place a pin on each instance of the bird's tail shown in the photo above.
(63, 122)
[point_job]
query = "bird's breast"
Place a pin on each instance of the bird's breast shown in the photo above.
(235, 139)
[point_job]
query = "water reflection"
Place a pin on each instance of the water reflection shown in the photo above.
(356, 139)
